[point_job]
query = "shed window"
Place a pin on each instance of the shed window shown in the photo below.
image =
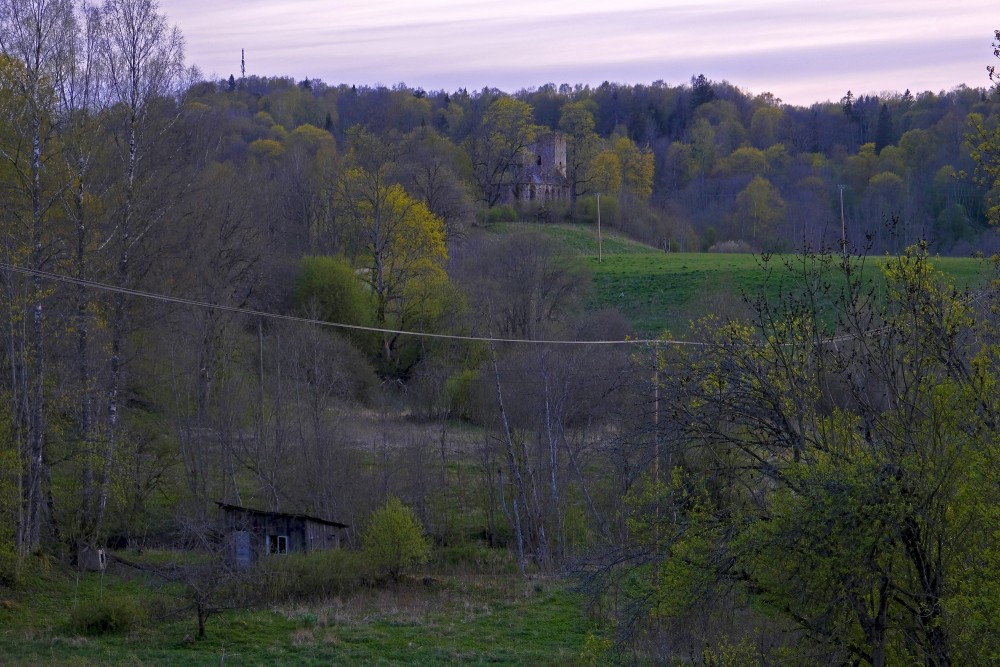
(277, 544)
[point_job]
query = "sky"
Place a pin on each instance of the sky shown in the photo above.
(801, 51)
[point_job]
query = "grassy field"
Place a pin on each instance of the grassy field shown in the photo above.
(453, 619)
(664, 292)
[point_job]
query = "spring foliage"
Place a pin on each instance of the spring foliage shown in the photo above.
(848, 489)
(394, 541)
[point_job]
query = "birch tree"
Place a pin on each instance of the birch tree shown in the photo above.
(143, 58)
(33, 41)
(80, 97)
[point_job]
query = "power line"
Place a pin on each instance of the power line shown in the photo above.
(154, 296)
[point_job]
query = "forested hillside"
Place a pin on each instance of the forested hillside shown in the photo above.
(295, 295)
(686, 166)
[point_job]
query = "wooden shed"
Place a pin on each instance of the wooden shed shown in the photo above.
(254, 533)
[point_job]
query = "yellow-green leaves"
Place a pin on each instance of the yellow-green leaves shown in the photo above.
(416, 280)
(606, 172)
(496, 148)
(394, 542)
(636, 167)
(984, 141)
(759, 209)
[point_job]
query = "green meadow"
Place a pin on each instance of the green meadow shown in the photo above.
(664, 293)
(443, 620)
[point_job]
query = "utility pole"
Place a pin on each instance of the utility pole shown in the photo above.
(599, 255)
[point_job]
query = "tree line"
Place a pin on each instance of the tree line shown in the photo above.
(693, 165)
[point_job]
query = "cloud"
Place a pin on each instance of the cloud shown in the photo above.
(803, 47)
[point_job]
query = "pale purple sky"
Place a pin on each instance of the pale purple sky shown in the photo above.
(802, 51)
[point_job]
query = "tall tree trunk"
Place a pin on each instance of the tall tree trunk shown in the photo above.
(553, 446)
(15, 354)
(118, 329)
(85, 420)
(36, 441)
(515, 469)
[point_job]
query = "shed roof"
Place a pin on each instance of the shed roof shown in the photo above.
(287, 515)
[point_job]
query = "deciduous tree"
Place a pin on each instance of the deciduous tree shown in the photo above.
(398, 238)
(582, 146)
(431, 171)
(985, 141)
(144, 60)
(761, 205)
(836, 483)
(35, 39)
(497, 146)
(637, 168)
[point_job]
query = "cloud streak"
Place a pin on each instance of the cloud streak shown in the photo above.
(802, 51)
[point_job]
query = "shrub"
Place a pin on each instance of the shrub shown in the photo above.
(10, 567)
(110, 615)
(458, 390)
(502, 213)
(313, 576)
(394, 540)
(586, 210)
(329, 288)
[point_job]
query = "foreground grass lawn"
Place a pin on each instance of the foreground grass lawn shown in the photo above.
(447, 620)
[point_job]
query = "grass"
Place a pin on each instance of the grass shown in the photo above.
(456, 619)
(661, 292)
(499, 620)
(579, 239)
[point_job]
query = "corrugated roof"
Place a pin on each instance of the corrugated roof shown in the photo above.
(289, 515)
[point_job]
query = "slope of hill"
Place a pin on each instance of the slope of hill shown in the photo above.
(665, 292)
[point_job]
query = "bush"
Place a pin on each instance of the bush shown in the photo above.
(458, 390)
(314, 576)
(586, 210)
(10, 567)
(502, 213)
(394, 540)
(550, 211)
(328, 288)
(110, 615)
(475, 558)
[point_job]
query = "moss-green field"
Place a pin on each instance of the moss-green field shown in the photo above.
(664, 292)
